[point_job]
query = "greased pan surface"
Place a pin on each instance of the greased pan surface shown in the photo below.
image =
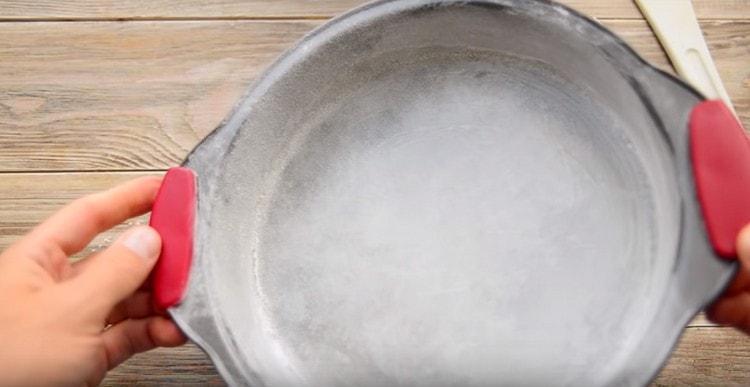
(442, 193)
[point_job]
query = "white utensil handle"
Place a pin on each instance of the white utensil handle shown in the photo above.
(677, 28)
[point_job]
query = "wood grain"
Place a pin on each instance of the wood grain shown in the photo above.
(708, 357)
(702, 321)
(183, 366)
(704, 357)
(124, 96)
(26, 199)
(161, 9)
(140, 95)
(112, 97)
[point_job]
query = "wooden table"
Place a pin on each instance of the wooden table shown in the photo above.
(94, 93)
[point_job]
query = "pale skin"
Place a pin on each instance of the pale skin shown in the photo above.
(733, 307)
(67, 324)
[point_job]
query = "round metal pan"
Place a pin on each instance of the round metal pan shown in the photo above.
(445, 193)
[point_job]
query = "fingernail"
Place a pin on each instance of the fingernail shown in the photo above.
(144, 241)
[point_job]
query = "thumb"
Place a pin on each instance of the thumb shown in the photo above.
(119, 271)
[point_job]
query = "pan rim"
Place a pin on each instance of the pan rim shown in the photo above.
(378, 9)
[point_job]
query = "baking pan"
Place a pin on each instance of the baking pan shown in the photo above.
(453, 193)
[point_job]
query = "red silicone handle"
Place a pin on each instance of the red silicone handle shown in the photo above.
(173, 216)
(720, 152)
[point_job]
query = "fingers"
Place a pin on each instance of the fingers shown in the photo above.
(139, 305)
(74, 226)
(134, 336)
(733, 311)
(733, 307)
(117, 272)
(741, 282)
(743, 247)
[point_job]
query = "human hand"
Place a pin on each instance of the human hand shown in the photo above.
(733, 307)
(67, 324)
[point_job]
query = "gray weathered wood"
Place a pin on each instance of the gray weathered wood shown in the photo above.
(140, 95)
(115, 97)
(704, 357)
(28, 198)
(156, 9)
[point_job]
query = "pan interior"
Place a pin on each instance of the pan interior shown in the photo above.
(446, 214)
(464, 217)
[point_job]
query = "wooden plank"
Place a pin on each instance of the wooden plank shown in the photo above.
(702, 321)
(732, 40)
(28, 198)
(708, 357)
(183, 366)
(704, 357)
(140, 95)
(91, 96)
(160, 9)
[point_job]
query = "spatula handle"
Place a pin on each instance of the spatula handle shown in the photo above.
(677, 28)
